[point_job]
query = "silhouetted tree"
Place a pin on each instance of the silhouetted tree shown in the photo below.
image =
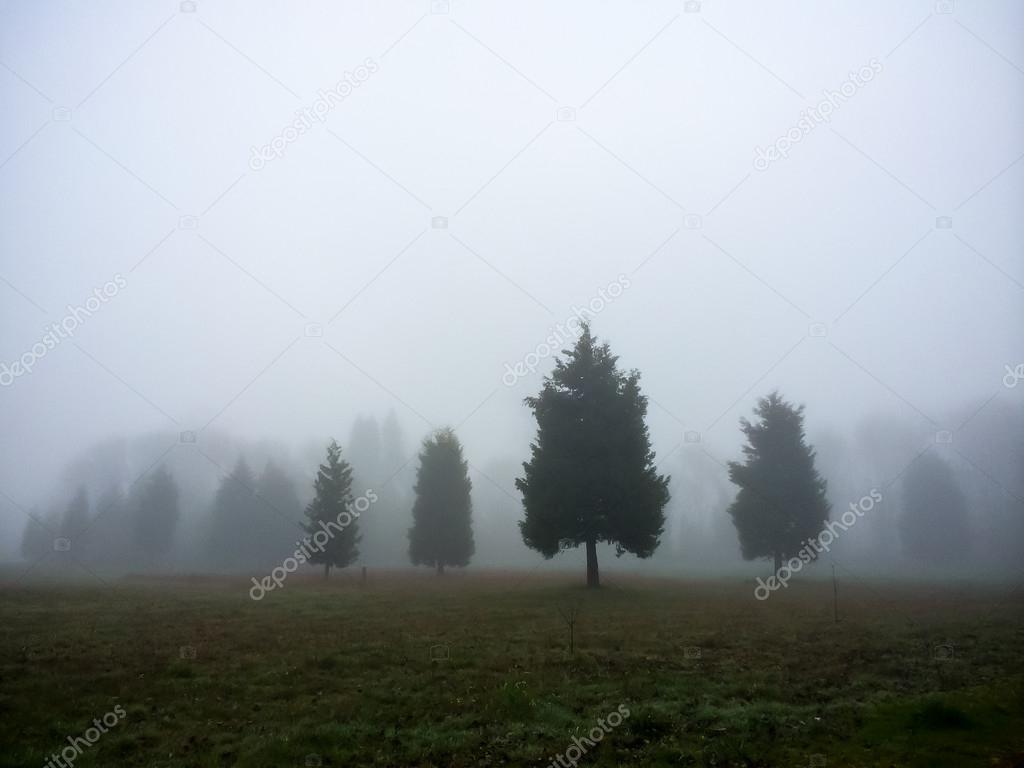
(781, 503)
(934, 525)
(442, 532)
(155, 512)
(332, 511)
(591, 476)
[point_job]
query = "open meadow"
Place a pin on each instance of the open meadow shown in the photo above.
(447, 384)
(475, 669)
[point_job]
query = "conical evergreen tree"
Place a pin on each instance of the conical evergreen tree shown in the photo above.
(332, 511)
(781, 503)
(442, 533)
(591, 476)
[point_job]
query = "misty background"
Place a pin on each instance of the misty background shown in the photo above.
(499, 168)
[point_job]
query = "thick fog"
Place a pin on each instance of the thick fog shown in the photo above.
(233, 230)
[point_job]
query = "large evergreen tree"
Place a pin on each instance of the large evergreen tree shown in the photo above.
(934, 524)
(781, 502)
(442, 532)
(155, 512)
(591, 476)
(332, 511)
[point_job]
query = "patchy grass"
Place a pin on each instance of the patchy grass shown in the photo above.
(474, 669)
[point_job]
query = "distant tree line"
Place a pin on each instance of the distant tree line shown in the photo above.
(591, 479)
(255, 521)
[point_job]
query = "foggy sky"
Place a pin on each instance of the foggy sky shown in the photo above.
(216, 327)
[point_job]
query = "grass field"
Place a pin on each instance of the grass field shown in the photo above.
(475, 669)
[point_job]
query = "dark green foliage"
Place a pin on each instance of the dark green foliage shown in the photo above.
(155, 513)
(934, 524)
(781, 502)
(442, 532)
(332, 510)
(591, 476)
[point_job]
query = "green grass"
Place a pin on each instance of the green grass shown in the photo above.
(347, 673)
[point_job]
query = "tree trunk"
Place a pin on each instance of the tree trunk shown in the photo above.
(327, 570)
(593, 578)
(778, 561)
(440, 569)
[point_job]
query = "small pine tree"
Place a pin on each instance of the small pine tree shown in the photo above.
(781, 502)
(442, 532)
(331, 511)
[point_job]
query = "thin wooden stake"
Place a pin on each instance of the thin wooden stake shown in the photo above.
(569, 617)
